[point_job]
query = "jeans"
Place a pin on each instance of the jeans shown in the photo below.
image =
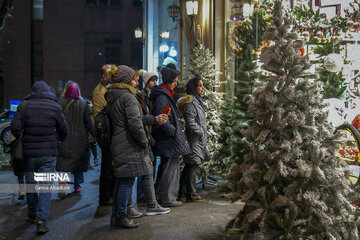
(121, 195)
(147, 186)
(78, 178)
(38, 203)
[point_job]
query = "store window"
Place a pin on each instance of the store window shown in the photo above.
(38, 13)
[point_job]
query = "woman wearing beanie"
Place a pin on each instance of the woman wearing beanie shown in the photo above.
(74, 153)
(129, 146)
(193, 111)
(170, 139)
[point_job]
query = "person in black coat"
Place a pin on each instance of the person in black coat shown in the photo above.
(171, 141)
(129, 146)
(43, 124)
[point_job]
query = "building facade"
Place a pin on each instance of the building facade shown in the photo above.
(61, 40)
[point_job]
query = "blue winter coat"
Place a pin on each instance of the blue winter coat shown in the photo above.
(170, 137)
(44, 122)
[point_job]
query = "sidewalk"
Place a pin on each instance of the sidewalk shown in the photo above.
(79, 217)
(7, 199)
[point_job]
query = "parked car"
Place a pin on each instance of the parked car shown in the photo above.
(5, 132)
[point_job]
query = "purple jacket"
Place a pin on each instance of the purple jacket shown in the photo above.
(44, 122)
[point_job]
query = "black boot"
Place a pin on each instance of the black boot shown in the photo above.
(124, 222)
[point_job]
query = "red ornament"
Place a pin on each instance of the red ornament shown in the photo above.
(302, 51)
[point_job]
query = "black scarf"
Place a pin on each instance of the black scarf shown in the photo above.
(191, 89)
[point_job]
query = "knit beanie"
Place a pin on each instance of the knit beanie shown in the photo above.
(147, 75)
(169, 74)
(124, 74)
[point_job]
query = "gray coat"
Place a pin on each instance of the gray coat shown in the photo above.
(74, 153)
(129, 144)
(195, 120)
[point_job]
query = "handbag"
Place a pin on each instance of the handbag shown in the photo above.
(17, 156)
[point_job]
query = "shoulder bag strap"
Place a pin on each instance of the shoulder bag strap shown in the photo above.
(68, 105)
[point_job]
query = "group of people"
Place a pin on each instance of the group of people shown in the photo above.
(132, 127)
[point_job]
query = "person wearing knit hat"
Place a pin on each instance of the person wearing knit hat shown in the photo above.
(171, 141)
(150, 80)
(169, 75)
(129, 146)
(124, 74)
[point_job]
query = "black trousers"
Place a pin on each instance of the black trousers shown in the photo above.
(188, 181)
(107, 179)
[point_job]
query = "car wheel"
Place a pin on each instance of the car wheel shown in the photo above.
(6, 136)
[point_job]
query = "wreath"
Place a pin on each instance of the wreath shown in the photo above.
(235, 37)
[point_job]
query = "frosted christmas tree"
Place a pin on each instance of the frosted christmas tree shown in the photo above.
(202, 65)
(292, 184)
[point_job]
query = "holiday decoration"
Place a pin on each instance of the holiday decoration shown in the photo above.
(333, 62)
(291, 183)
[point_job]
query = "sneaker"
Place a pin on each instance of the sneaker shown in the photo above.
(133, 212)
(182, 199)
(172, 204)
(158, 210)
(77, 188)
(31, 216)
(197, 198)
(41, 227)
(21, 196)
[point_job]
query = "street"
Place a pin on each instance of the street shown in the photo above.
(79, 217)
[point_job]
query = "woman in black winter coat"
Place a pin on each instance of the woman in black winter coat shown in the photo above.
(194, 113)
(129, 146)
(171, 141)
(74, 153)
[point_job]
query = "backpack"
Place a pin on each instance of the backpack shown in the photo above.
(103, 126)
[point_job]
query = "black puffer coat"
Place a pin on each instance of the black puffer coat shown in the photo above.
(74, 153)
(170, 137)
(44, 122)
(129, 144)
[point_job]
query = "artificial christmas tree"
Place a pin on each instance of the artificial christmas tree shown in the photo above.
(243, 61)
(202, 66)
(292, 184)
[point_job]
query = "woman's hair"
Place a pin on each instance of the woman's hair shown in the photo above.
(109, 71)
(137, 74)
(195, 81)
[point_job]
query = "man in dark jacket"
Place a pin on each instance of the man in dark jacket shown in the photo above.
(171, 141)
(43, 123)
(103, 136)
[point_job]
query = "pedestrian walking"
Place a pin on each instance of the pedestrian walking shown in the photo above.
(103, 136)
(193, 111)
(74, 153)
(42, 121)
(171, 141)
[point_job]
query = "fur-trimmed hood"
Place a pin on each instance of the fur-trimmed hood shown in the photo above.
(183, 101)
(115, 90)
